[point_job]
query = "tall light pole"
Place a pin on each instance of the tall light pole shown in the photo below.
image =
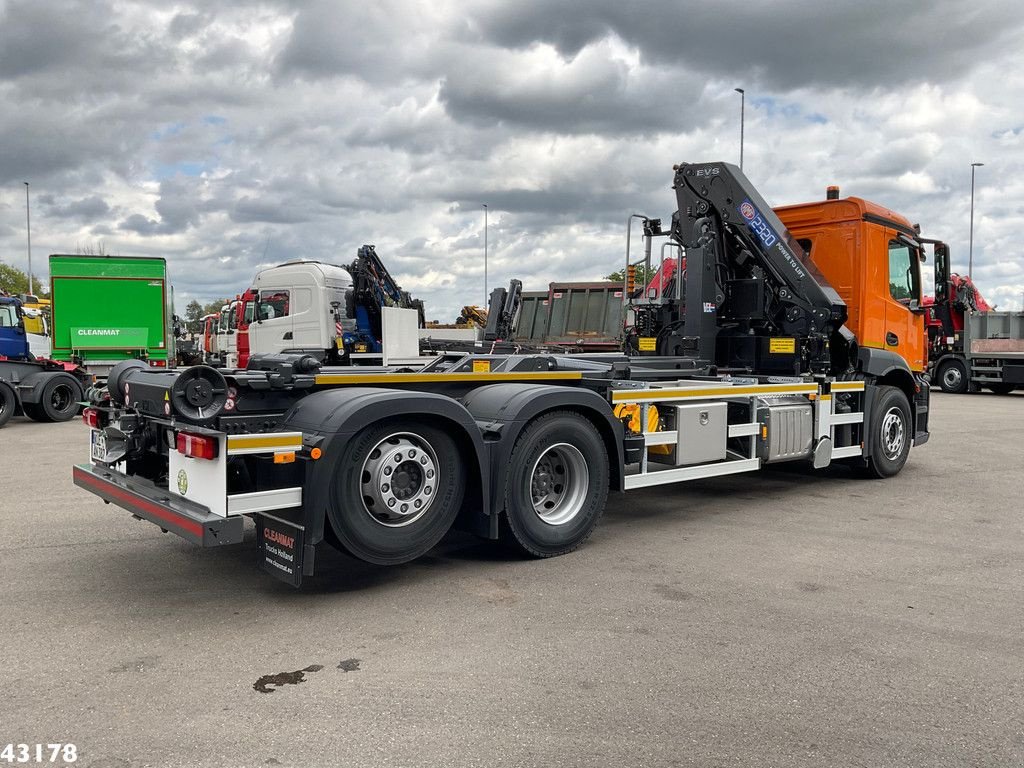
(28, 229)
(485, 256)
(970, 257)
(743, 105)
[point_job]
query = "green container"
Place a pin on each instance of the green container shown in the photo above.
(110, 308)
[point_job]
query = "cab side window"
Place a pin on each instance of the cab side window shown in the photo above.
(273, 304)
(903, 277)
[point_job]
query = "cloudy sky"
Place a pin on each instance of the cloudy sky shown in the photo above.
(230, 135)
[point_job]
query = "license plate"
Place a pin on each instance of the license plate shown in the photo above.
(98, 445)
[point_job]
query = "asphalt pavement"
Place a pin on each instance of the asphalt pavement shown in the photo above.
(776, 619)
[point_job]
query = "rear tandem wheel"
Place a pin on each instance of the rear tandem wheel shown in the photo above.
(557, 485)
(396, 491)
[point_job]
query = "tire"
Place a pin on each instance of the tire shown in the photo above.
(361, 521)
(952, 376)
(557, 485)
(8, 403)
(1002, 388)
(891, 431)
(34, 412)
(59, 397)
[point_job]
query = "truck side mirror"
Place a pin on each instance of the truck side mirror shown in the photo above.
(915, 306)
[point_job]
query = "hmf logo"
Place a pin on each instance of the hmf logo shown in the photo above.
(757, 223)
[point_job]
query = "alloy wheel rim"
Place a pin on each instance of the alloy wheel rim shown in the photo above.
(558, 484)
(398, 480)
(893, 432)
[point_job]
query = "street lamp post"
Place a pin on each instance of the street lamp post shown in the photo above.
(28, 232)
(485, 256)
(970, 257)
(743, 104)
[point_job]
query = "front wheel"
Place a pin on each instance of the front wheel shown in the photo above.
(556, 486)
(397, 491)
(891, 432)
(953, 376)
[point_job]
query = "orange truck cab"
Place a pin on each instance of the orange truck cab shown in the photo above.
(872, 257)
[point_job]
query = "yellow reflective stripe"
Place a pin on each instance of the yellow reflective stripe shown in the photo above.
(642, 395)
(847, 386)
(428, 378)
(269, 442)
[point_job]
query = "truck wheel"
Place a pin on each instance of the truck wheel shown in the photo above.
(8, 403)
(953, 377)
(397, 491)
(556, 486)
(891, 433)
(59, 398)
(1002, 388)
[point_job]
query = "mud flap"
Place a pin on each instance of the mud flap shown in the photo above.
(282, 549)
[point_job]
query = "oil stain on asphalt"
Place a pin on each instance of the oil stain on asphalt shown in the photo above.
(284, 678)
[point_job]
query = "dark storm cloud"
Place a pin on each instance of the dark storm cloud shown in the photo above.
(264, 210)
(592, 93)
(788, 43)
(42, 42)
(381, 41)
(92, 207)
(177, 208)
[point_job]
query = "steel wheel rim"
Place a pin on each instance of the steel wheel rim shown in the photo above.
(398, 480)
(952, 376)
(893, 432)
(558, 484)
(61, 398)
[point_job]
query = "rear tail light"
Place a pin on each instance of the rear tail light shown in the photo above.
(158, 363)
(197, 446)
(91, 418)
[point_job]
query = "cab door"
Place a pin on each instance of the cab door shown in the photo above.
(904, 317)
(272, 330)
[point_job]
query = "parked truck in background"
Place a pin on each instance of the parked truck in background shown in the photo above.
(107, 309)
(41, 389)
(971, 345)
(332, 312)
(753, 362)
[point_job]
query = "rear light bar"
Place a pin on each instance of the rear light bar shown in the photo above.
(158, 363)
(91, 418)
(197, 446)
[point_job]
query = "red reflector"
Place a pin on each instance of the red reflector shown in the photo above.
(158, 363)
(91, 418)
(197, 446)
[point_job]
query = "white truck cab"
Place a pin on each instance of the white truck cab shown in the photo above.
(298, 306)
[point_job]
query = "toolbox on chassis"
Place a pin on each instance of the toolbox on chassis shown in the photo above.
(382, 464)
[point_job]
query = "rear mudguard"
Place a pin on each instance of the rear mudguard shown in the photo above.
(504, 410)
(330, 419)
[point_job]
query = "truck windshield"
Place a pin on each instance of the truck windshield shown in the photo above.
(904, 273)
